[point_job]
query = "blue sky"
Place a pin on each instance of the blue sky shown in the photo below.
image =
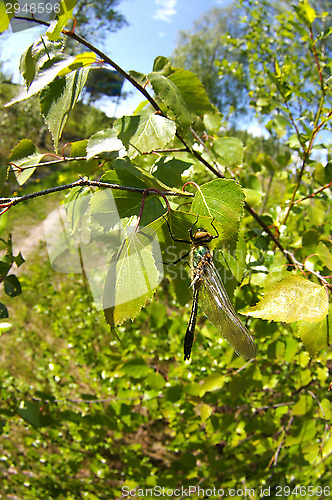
(153, 29)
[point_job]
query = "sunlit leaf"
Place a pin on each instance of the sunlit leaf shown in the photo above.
(66, 13)
(192, 91)
(168, 92)
(58, 98)
(81, 61)
(213, 382)
(222, 200)
(133, 275)
(144, 133)
(292, 299)
(7, 11)
(104, 141)
(22, 156)
(45, 76)
(324, 254)
(229, 151)
(36, 55)
(315, 336)
(205, 412)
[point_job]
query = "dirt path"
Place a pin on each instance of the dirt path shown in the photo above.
(28, 244)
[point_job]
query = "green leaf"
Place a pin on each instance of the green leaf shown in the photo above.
(4, 266)
(3, 311)
(303, 406)
(46, 75)
(66, 13)
(156, 381)
(205, 412)
(126, 173)
(58, 98)
(19, 259)
(213, 382)
(4, 327)
(133, 276)
(315, 336)
(104, 141)
(310, 238)
(6, 13)
(144, 133)
(24, 154)
(327, 408)
(324, 254)
(292, 299)
(39, 53)
(193, 92)
(301, 431)
(30, 413)
(136, 368)
(221, 199)
(169, 170)
(171, 96)
(305, 12)
(12, 286)
(162, 65)
(230, 150)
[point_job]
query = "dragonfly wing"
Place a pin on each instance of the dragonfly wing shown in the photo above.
(219, 310)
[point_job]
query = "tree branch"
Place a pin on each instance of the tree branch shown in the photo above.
(6, 203)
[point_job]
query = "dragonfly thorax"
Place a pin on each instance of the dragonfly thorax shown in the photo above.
(201, 255)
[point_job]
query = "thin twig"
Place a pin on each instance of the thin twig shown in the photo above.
(10, 202)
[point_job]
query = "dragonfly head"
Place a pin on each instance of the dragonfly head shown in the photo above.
(201, 237)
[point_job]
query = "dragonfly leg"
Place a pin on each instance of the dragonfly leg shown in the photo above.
(177, 260)
(216, 230)
(179, 240)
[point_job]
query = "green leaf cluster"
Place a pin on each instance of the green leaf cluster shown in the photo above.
(119, 410)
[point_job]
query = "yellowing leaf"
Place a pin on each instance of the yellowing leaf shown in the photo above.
(292, 299)
(80, 61)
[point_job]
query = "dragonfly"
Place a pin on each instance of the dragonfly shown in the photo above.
(209, 293)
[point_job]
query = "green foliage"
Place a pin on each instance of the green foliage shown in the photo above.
(119, 410)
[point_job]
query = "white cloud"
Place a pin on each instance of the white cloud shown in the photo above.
(165, 10)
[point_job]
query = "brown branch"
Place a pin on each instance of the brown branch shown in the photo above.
(313, 194)
(6, 203)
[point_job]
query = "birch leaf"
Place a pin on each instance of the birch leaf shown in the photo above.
(292, 299)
